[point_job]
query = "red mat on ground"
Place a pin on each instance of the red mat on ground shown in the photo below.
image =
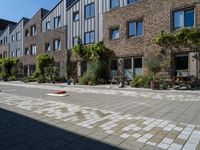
(59, 92)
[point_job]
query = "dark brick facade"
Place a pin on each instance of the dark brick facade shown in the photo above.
(156, 16)
(40, 40)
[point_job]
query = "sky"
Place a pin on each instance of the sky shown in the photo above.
(14, 10)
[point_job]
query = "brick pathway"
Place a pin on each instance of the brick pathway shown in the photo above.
(118, 130)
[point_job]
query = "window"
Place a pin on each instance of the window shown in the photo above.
(138, 66)
(18, 36)
(33, 49)
(135, 28)
(13, 54)
(75, 41)
(5, 40)
(114, 65)
(127, 64)
(181, 62)
(26, 33)
(114, 3)
(26, 52)
(13, 38)
(57, 44)
(47, 47)
(33, 30)
(115, 33)
(89, 11)
(89, 37)
(128, 71)
(132, 1)
(48, 25)
(5, 54)
(18, 52)
(76, 16)
(57, 22)
(183, 18)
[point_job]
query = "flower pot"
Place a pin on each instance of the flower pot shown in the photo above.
(155, 85)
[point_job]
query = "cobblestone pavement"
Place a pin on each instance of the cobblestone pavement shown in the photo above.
(113, 129)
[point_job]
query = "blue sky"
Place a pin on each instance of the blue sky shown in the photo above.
(14, 10)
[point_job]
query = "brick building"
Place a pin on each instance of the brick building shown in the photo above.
(129, 32)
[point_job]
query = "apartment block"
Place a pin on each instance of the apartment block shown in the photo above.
(16, 39)
(5, 28)
(127, 27)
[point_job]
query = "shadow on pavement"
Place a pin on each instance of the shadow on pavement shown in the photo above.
(18, 132)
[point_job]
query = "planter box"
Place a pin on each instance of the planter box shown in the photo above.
(155, 85)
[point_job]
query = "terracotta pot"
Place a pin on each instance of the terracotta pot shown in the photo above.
(155, 85)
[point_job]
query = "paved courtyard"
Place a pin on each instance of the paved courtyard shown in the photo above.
(97, 118)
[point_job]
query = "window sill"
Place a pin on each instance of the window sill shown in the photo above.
(135, 37)
(89, 17)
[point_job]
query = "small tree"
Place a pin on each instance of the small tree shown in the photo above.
(153, 64)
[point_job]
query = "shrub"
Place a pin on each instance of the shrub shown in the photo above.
(163, 84)
(28, 79)
(12, 78)
(84, 80)
(141, 81)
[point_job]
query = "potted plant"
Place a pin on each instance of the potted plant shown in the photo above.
(153, 64)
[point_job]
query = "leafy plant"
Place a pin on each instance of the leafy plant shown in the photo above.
(141, 81)
(153, 64)
(95, 55)
(84, 80)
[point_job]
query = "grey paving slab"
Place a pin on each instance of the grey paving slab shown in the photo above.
(85, 120)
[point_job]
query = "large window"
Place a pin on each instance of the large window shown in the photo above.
(115, 33)
(18, 36)
(135, 28)
(48, 25)
(33, 49)
(13, 38)
(75, 41)
(18, 52)
(181, 62)
(33, 30)
(47, 47)
(138, 66)
(26, 51)
(76, 16)
(89, 11)
(57, 22)
(57, 44)
(183, 19)
(89, 37)
(114, 3)
(13, 54)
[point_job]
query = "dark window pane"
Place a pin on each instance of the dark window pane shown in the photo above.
(114, 65)
(127, 64)
(138, 63)
(181, 62)
(189, 18)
